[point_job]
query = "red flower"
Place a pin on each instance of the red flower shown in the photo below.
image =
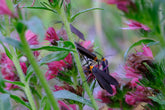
(51, 35)
(134, 25)
(4, 10)
(130, 99)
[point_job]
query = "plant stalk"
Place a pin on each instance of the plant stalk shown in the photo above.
(63, 16)
(22, 78)
(38, 72)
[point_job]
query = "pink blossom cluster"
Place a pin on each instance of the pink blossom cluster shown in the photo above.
(134, 25)
(121, 4)
(4, 10)
(131, 72)
(139, 95)
(8, 70)
(56, 66)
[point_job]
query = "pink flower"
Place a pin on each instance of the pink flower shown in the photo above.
(88, 45)
(31, 38)
(58, 88)
(51, 35)
(130, 72)
(4, 10)
(134, 25)
(64, 106)
(23, 66)
(68, 59)
(130, 99)
(114, 90)
(121, 4)
(134, 82)
(104, 96)
(54, 68)
(147, 51)
(8, 70)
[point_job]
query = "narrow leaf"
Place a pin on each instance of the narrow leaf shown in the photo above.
(5, 102)
(20, 84)
(80, 12)
(19, 100)
(42, 8)
(13, 42)
(51, 48)
(7, 51)
(63, 94)
(140, 42)
(55, 56)
(77, 32)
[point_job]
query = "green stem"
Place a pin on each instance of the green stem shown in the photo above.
(22, 78)
(62, 14)
(38, 72)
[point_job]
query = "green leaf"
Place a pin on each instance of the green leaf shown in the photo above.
(140, 42)
(19, 100)
(52, 48)
(55, 56)
(7, 51)
(20, 84)
(12, 42)
(5, 102)
(80, 12)
(63, 94)
(69, 44)
(158, 99)
(45, 103)
(29, 73)
(42, 8)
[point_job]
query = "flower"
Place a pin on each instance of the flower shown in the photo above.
(4, 10)
(130, 99)
(54, 68)
(134, 25)
(51, 36)
(8, 71)
(68, 59)
(88, 45)
(62, 33)
(147, 51)
(134, 82)
(104, 96)
(121, 4)
(31, 38)
(130, 72)
(64, 106)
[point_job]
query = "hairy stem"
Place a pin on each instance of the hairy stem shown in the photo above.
(63, 16)
(22, 78)
(38, 72)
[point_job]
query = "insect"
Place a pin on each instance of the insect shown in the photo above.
(104, 63)
(104, 79)
(86, 52)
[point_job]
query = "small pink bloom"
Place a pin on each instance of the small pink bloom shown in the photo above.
(51, 35)
(114, 90)
(31, 38)
(134, 82)
(147, 51)
(104, 96)
(134, 25)
(57, 88)
(23, 66)
(63, 106)
(54, 68)
(68, 59)
(130, 99)
(88, 45)
(130, 72)
(121, 4)
(4, 10)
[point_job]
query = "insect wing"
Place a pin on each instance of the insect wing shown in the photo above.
(101, 80)
(105, 66)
